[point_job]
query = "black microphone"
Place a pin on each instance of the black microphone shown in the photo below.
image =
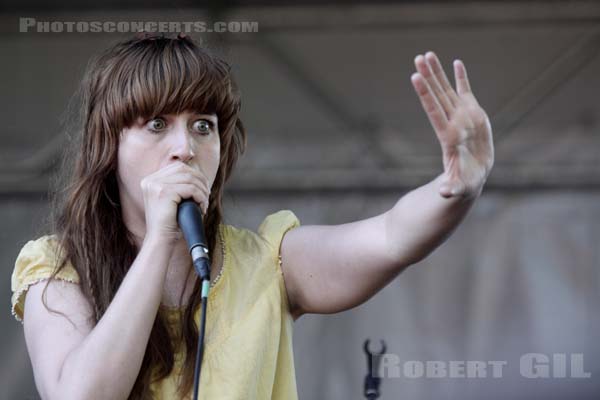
(189, 218)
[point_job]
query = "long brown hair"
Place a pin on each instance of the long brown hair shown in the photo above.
(139, 77)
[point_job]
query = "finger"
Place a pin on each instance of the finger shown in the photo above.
(180, 166)
(196, 170)
(186, 177)
(460, 74)
(438, 71)
(187, 191)
(179, 172)
(424, 69)
(183, 177)
(432, 107)
(168, 169)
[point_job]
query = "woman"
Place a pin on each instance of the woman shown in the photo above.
(161, 124)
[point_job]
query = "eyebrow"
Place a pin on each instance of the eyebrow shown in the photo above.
(213, 117)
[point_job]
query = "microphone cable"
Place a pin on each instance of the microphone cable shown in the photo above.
(200, 351)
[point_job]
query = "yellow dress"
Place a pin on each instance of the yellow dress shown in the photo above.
(248, 350)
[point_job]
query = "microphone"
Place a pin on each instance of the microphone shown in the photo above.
(189, 219)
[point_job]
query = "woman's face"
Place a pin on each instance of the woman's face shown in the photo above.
(148, 146)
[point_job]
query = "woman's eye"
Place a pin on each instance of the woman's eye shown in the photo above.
(156, 124)
(203, 126)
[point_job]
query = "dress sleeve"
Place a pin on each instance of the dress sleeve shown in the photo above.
(275, 226)
(36, 262)
(272, 230)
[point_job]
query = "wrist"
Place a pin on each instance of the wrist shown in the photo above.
(158, 240)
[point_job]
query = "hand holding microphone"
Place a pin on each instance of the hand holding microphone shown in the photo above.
(164, 190)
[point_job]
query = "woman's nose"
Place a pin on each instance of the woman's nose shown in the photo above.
(182, 148)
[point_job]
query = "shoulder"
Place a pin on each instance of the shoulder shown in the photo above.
(37, 260)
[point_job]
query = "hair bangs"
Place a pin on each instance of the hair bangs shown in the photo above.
(170, 77)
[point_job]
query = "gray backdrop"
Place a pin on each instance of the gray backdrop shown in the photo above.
(336, 134)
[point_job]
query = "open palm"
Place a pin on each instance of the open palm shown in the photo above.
(461, 125)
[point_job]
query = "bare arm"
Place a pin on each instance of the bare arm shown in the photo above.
(342, 266)
(329, 269)
(100, 362)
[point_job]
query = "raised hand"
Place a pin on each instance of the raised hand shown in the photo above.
(461, 125)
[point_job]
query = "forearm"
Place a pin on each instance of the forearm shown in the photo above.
(106, 364)
(422, 220)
